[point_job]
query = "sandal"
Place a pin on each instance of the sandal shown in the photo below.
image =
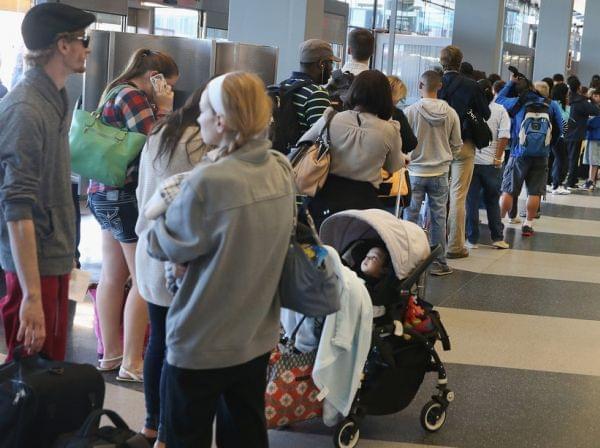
(114, 364)
(128, 376)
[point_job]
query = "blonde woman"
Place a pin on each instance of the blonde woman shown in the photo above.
(399, 92)
(230, 226)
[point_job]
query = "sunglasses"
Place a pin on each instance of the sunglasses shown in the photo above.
(85, 40)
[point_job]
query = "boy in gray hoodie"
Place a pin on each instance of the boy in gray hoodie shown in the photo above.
(437, 128)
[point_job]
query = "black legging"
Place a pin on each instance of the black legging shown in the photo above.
(559, 167)
(573, 151)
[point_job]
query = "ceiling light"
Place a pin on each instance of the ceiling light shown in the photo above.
(163, 4)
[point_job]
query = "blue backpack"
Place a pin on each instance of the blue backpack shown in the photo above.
(535, 133)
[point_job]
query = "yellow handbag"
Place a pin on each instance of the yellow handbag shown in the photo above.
(398, 181)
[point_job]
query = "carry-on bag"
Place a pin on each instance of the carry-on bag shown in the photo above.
(41, 399)
(91, 435)
(291, 395)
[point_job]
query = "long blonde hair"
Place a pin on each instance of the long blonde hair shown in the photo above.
(247, 107)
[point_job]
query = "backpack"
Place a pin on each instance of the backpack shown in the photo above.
(338, 87)
(535, 132)
(285, 129)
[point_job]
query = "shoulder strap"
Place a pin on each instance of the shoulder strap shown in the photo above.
(286, 90)
(112, 94)
(326, 128)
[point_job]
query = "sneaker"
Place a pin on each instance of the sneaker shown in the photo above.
(561, 190)
(501, 244)
(439, 269)
(573, 187)
(588, 186)
(463, 254)
(523, 214)
(549, 188)
(527, 230)
(515, 220)
(471, 245)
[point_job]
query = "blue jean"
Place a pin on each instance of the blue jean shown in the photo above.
(436, 188)
(486, 178)
(154, 378)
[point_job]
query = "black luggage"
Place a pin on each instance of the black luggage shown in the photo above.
(41, 399)
(92, 435)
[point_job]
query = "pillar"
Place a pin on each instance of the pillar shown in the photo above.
(281, 23)
(478, 28)
(553, 38)
(589, 64)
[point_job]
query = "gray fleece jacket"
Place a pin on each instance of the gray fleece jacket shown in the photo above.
(35, 171)
(231, 223)
(437, 128)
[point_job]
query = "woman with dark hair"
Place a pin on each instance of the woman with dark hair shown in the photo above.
(363, 141)
(560, 94)
(174, 146)
(134, 100)
(581, 110)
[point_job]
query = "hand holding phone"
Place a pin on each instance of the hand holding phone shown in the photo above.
(159, 83)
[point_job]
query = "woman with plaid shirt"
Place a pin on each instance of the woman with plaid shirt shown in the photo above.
(132, 103)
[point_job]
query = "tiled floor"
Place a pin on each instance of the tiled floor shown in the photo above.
(525, 328)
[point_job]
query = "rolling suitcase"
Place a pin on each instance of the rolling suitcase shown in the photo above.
(41, 399)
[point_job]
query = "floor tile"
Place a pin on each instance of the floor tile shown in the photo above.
(519, 341)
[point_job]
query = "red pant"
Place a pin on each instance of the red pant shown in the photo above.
(55, 292)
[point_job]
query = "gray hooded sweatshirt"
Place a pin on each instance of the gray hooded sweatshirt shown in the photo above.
(231, 223)
(437, 128)
(35, 171)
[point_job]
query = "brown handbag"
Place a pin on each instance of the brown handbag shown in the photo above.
(311, 160)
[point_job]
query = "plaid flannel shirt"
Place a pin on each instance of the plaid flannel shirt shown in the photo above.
(130, 109)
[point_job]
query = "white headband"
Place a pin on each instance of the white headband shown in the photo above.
(215, 94)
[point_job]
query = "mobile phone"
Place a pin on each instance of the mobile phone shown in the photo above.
(159, 84)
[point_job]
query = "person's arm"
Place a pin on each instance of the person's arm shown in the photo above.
(409, 140)
(315, 106)
(32, 328)
(137, 111)
(503, 138)
(21, 155)
(182, 235)
(455, 132)
(394, 159)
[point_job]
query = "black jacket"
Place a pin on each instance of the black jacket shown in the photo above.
(468, 95)
(409, 140)
(581, 110)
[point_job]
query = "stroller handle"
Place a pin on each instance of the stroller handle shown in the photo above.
(407, 283)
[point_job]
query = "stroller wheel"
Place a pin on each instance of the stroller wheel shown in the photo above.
(347, 434)
(433, 416)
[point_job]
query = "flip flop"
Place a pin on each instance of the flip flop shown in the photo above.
(128, 376)
(111, 367)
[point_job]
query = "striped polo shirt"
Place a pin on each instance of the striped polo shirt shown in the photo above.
(310, 101)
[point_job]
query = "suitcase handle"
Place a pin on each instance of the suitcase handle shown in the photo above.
(92, 423)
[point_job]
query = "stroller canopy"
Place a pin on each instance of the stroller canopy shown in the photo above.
(405, 241)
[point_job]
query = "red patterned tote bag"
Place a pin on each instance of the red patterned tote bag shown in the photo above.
(291, 394)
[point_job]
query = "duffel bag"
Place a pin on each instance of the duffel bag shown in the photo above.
(41, 399)
(91, 435)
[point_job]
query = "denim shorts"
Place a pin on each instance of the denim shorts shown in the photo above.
(117, 211)
(531, 170)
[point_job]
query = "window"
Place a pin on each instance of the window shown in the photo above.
(12, 48)
(521, 19)
(176, 22)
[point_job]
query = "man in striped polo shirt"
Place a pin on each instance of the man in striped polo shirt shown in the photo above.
(316, 65)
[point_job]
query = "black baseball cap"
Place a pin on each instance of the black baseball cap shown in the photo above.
(44, 22)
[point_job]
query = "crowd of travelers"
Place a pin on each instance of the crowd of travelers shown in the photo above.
(225, 232)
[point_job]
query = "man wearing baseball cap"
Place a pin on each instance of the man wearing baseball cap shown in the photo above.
(310, 99)
(37, 228)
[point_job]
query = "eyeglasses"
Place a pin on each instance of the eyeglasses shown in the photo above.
(85, 40)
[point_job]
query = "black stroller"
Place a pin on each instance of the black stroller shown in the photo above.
(396, 364)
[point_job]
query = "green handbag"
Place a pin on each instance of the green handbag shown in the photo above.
(101, 152)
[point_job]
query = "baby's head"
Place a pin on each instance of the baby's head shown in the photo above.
(376, 262)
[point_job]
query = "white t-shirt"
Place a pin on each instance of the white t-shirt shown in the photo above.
(499, 124)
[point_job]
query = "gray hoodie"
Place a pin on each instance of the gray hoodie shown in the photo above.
(231, 223)
(35, 171)
(437, 128)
